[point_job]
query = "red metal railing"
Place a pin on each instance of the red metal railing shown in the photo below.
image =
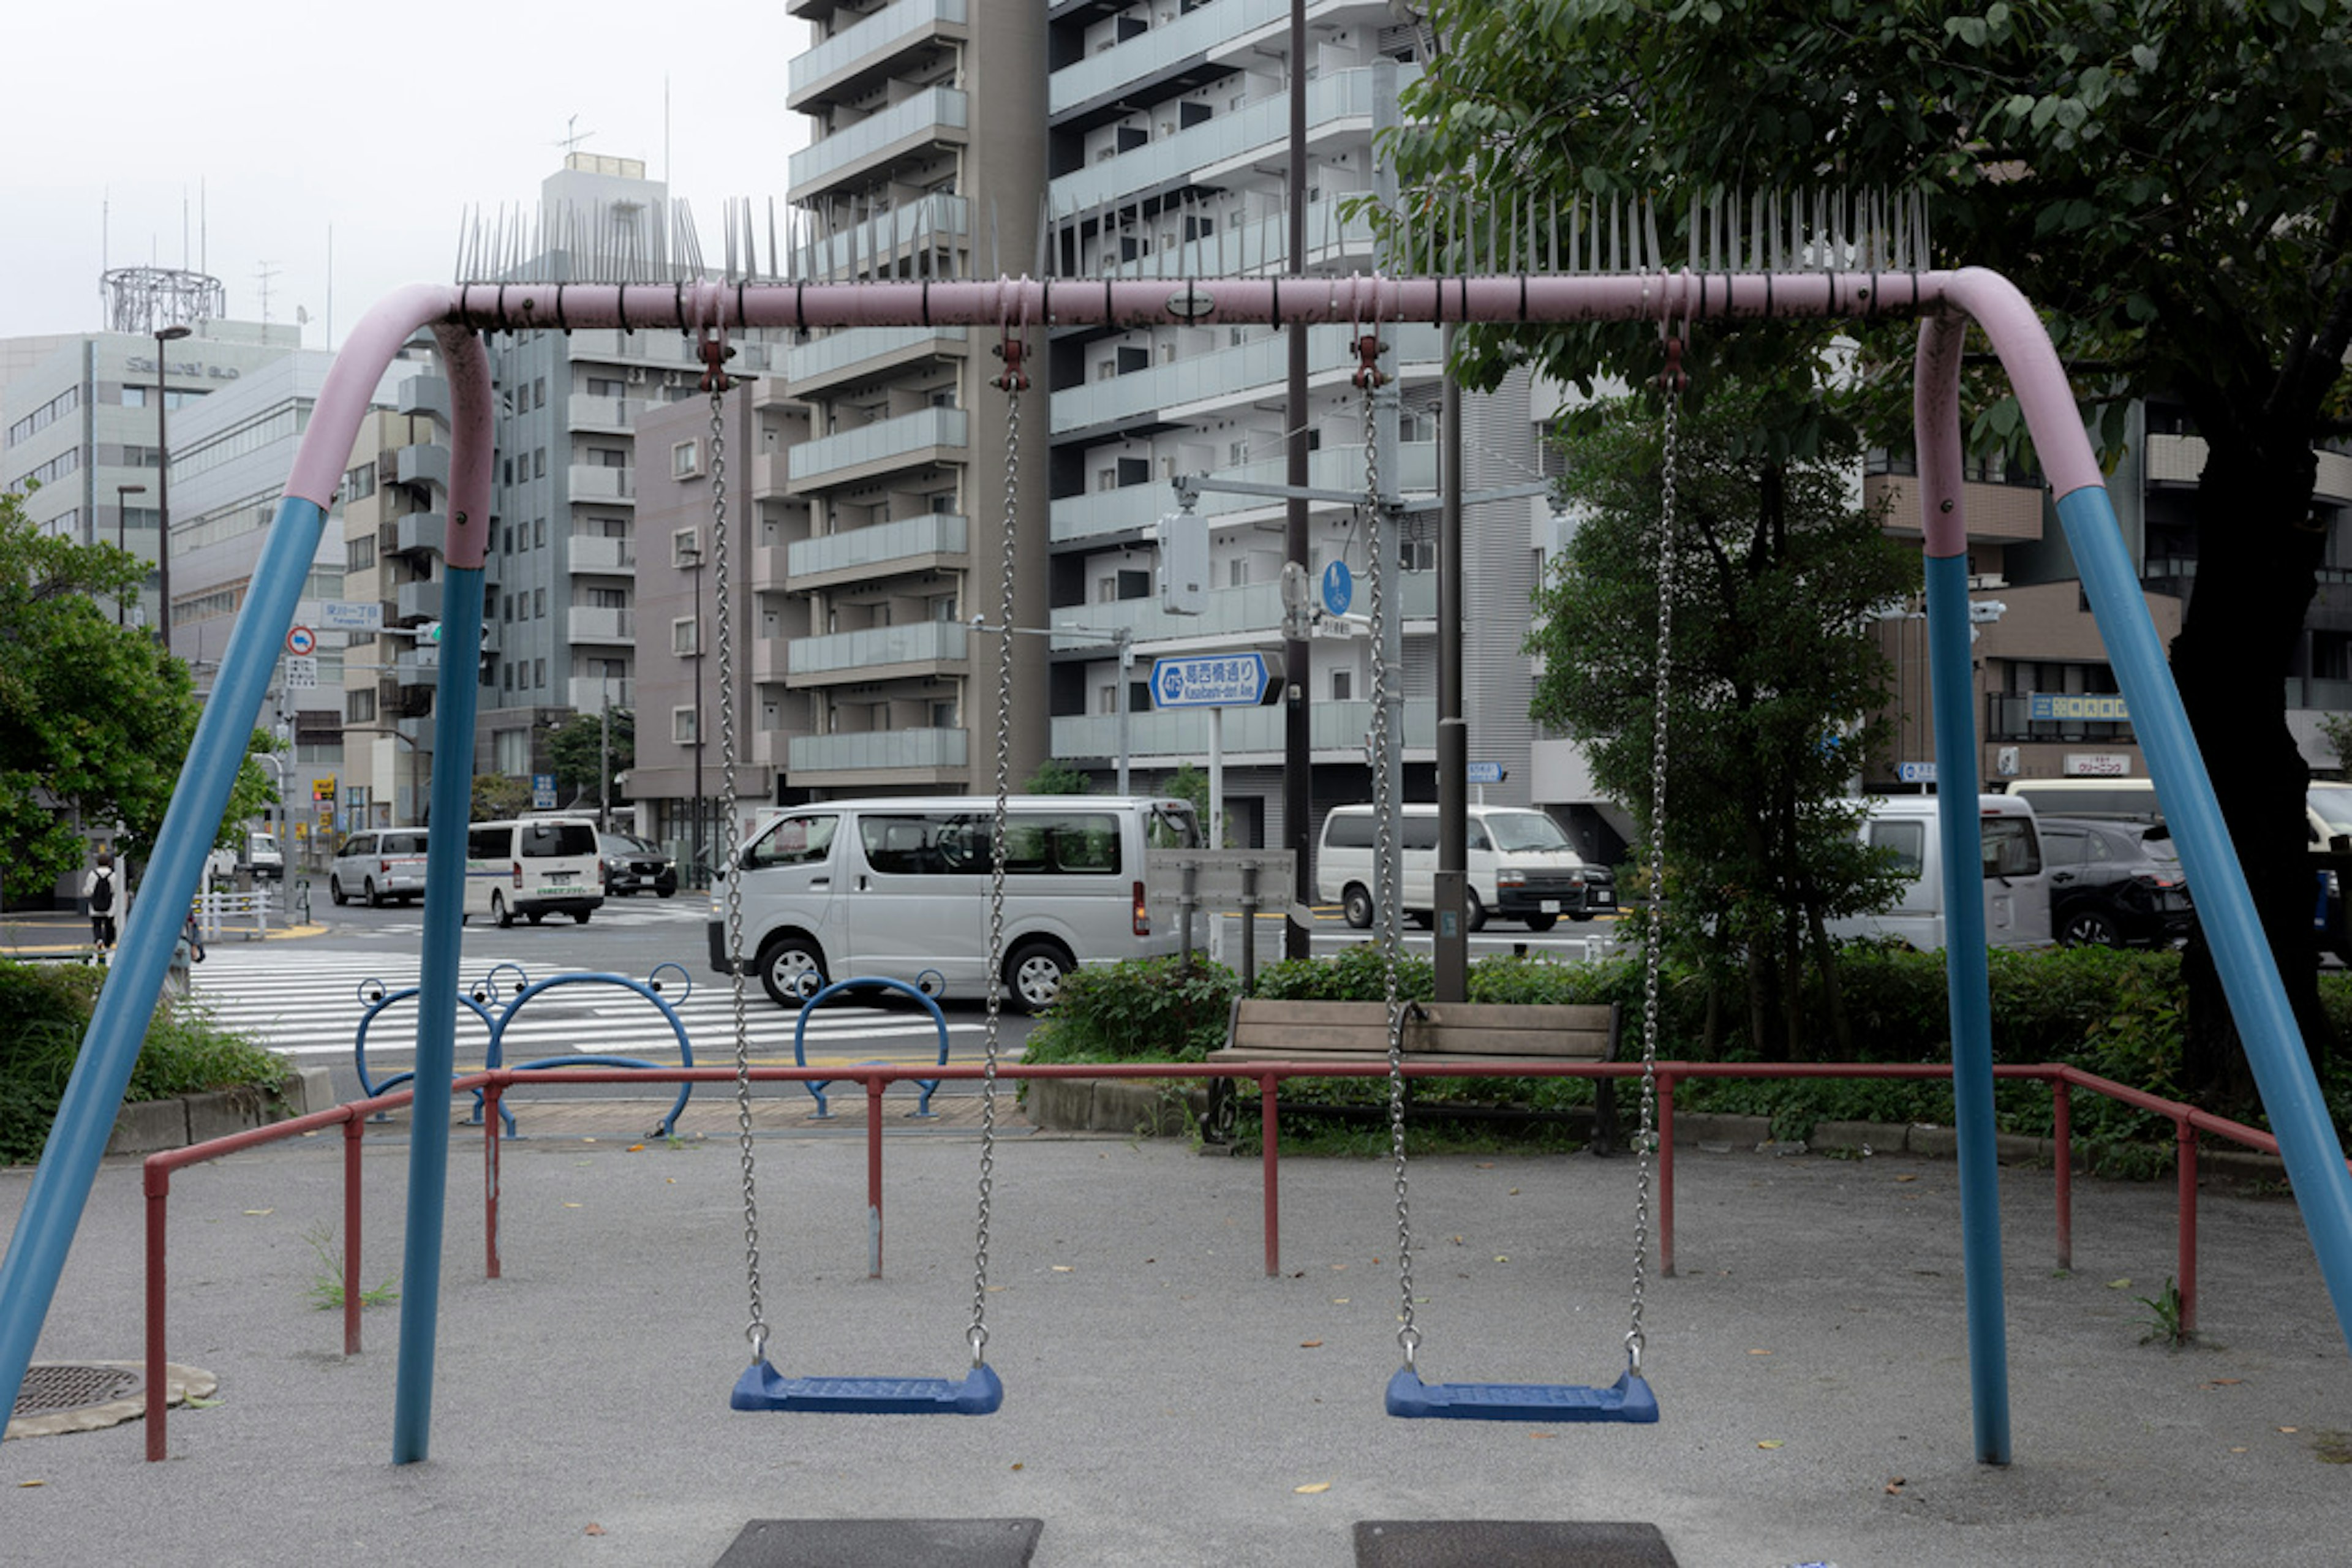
(2187, 1122)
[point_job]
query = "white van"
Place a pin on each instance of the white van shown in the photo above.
(2117, 799)
(1521, 867)
(897, 889)
(2015, 886)
(535, 866)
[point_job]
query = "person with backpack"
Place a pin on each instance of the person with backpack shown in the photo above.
(99, 891)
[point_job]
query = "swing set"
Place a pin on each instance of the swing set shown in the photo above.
(1855, 278)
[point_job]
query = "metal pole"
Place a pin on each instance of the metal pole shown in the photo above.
(163, 493)
(702, 868)
(122, 534)
(1298, 758)
(1125, 638)
(604, 751)
(1452, 937)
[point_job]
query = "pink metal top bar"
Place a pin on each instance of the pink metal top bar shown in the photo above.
(1014, 301)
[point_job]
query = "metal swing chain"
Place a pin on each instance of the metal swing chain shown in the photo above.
(1012, 381)
(1654, 945)
(757, 1329)
(1384, 812)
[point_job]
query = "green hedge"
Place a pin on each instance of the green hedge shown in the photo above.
(2115, 1014)
(44, 1011)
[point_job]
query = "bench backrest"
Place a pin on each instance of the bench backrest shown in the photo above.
(1575, 1031)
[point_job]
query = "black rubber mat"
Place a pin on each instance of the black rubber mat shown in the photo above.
(1495, 1543)
(884, 1544)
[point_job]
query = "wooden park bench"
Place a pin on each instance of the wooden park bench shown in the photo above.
(1261, 1030)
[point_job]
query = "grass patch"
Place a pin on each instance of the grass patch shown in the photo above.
(44, 1011)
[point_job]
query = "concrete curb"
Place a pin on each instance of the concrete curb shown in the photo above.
(150, 1126)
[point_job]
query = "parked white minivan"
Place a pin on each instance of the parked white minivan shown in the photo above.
(897, 889)
(1521, 867)
(533, 866)
(2014, 886)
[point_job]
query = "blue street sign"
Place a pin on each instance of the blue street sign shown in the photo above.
(1214, 681)
(1484, 773)
(542, 791)
(1339, 588)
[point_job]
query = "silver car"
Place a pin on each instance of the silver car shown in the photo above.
(378, 866)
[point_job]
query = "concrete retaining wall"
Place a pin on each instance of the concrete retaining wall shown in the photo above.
(144, 1127)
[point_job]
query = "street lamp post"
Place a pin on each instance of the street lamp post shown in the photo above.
(121, 532)
(691, 558)
(163, 335)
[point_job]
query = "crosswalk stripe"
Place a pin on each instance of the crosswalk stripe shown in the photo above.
(310, 1005)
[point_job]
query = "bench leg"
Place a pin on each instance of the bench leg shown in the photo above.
(1604, 1116)
(1223, 1115)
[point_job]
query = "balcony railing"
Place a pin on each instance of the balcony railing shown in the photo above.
(592, 481)
(923, 642)
(1146, 53)
(589, 693)
(878, 546)
(418, 601)
(1342, 95)
(1183, 734)
(923, 116)
(879, 442)
(934, 217)
(595, 623)
(877, 749)
(599, 413)
(594, 552)
(839, 351)
(1231, 375)
(886, 29)
(421, 465)
(420, 531)
(1100, 513)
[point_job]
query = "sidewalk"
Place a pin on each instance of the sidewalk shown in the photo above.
(60, 933)
(1165, 1402)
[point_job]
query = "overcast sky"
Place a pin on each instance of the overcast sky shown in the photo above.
(232, 139)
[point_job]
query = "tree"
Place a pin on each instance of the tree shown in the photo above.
(1058, 777)
(579, 746)
(2169, 184)
(1771, 660)
(498, 796)
(95, 718)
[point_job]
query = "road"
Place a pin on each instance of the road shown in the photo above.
(307, 998)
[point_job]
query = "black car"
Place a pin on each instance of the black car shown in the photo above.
(2114, 884)
(633, 864)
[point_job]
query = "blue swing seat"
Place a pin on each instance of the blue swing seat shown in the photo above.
(1627, 1399)
(762, 1387)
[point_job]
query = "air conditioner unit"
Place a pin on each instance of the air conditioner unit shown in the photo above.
(637, 376)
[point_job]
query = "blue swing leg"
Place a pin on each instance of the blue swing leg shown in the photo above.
(1628, 1399)
(762, 1387)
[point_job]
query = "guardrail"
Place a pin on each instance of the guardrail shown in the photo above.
(2188, 1123)
(221, 912)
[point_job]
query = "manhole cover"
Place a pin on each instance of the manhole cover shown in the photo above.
(54, 1386)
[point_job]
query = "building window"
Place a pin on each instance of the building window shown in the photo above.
(944, 715)
(359, 707)
(686, 548)
(686, 636)
(1343, 686)
(684, 728)
(359, 553)
(686, 459)
(539, 604)
(539, 463)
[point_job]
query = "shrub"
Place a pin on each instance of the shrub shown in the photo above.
(1151, 1009)
(44, 1011)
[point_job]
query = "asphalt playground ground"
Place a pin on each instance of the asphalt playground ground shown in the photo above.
(1166, 1402)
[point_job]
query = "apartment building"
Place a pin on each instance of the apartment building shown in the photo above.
(82, 423)
(1170, 128)
(230, 456)
(928, 160)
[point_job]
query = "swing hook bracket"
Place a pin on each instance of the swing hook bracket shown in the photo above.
(1368, 373)
(1012, 350)
(1673, 380)
(716, 351)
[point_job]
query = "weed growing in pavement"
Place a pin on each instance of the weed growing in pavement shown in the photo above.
(326, 1289)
